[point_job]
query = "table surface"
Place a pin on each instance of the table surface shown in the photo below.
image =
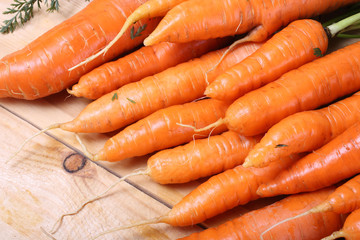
(36, 188)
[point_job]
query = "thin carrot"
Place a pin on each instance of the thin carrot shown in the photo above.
(350, 230)
(200, 158)
(142, 63)
(335, 161)
(194, 20)
(305, 131)
(250, 225)
(41, 68)
(177, 85)
(147, 10)
(162, 129)
(310, 86)
(300, 42)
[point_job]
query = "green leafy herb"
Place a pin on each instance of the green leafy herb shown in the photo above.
(281, 145)
(132, 101)
(115, 96)
(134, 34)
(317, 52)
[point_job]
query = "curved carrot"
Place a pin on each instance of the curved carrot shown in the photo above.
(308, 87)
(335, 161)
(177, 85)
(200, 158)
(194, 20)
(147, 10)
(250, 225)
(142, 63)
(41, 68)
(300, 42)
(350, 230)
(305, 131)
(162, 129)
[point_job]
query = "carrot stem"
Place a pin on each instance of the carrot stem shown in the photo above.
(337, 27)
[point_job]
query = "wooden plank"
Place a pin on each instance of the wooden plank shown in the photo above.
(36, 190)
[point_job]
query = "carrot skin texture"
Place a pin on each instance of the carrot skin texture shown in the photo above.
(250, 225)
(160, 130)
(308, 87)
(47, 59)
(291, 47)
(194, 20)
(335, 161)
(142, 63)
(176, 85)
(351, 228)
(222, 192)
(305, 131)
(200, 158)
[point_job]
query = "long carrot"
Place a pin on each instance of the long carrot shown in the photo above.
(345, 199)
(162, 129)
(310, 86)
(194, 20)
(305, 131)
(250, 225)
(300, 42)
(350, 230)
(177, 85)
(41, 68)
(335, 161)
(142, 63)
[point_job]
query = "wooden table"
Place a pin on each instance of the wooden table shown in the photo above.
(36, 188)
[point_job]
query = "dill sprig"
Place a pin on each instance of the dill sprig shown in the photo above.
(23, 11)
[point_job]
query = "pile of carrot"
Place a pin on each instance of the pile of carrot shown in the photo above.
(282, 115)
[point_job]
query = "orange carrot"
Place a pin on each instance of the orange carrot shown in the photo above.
(350, 230)
(147, 10)
(177, 85)
(300, 42)
(335, 161)
(142, 63)
(194, 20)
(162, 129)
(250, 225)
(305, 131)
(310, 86)
(200, 158)
(41, 68)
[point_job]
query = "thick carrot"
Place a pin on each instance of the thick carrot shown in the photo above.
(194, 20)
(335, 161)
(310, 86)
(305, 131)
(142, 63)
(177, 85)
(350, 230)
(41, 68)
(200, 158)
(250, 225)
(163, 129)
(300, 42)
(147, 10)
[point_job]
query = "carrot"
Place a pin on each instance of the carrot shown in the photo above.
(350, 230)
(305, 131)
(41, 68)
(310, 86)
(142, 63)
(200, 158)
(335, 161)
(194, 20)
(250, 225)
(300, 42)
(176, 85)
(162, 129)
